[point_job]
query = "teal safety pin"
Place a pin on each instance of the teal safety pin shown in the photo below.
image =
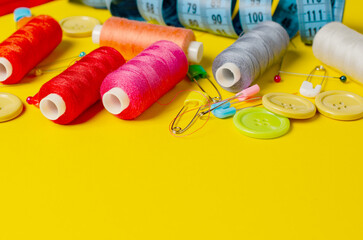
(197, 72)
(194, 100)
(244, 95)
(226, 110)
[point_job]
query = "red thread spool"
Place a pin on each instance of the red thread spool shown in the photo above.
(131, 37)
(29, 45)
(135, 86)
(67, 95)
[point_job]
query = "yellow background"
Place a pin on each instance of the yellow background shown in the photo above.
(106, 178)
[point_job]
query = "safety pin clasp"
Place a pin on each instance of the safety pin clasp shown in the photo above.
(194, 100)
(307, 89)
(197, 72)
(224, 112)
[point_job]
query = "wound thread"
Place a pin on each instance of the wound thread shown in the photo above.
(135, 86)
(29, 45)
(248, 58)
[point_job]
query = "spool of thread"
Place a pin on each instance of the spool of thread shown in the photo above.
(135, 86)
(341, 48)
(248, 58)
(29, 45)
(131, 37)
(67, 95)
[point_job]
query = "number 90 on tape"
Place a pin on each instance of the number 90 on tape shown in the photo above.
(214, 16)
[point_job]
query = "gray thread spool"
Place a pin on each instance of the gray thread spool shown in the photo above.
(248, 58)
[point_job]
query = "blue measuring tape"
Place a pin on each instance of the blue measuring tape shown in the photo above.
(124, 8)
(286, 15)
(313, 15)
(210, 15)
(161, 12)
(338, 9)
(253, 12)
(220, 16)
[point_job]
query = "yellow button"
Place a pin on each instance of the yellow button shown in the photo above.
(289, 105)
(79, 26)
(10, 106)
(340, 105)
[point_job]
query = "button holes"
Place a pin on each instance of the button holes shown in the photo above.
(265, 120)
(338, 108)
(257, 120)
(334, 105)
(345, 106)
(258, 124)
(266, 124)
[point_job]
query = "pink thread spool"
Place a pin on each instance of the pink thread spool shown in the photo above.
(135, 86)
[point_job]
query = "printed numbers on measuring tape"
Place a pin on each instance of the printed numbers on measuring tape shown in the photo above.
(151, 10)
(190, 14)
(313, 15)
(219, 17)
(253, 12)
(214, 16)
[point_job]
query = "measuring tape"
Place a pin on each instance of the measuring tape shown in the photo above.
(124, 8)
(151, 10)
(338, 9)
(313, 15)
(286, 15)
(232, 17)
(161, 12)
(215, 16)
(253, 12)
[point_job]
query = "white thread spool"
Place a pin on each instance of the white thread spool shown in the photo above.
(340, 47)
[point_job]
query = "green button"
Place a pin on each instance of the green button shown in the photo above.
(10, 106)
(260, 123)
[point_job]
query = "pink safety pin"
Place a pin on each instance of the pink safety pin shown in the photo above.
(241, 96)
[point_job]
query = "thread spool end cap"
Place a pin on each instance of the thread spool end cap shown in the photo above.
(228, 74)
(52, 106)
(195, 52)
(115, 100)
(6, 69)
(96, 34)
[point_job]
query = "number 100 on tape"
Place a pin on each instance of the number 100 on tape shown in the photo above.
(253, 12)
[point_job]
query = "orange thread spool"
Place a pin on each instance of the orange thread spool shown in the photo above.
(131, 37)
